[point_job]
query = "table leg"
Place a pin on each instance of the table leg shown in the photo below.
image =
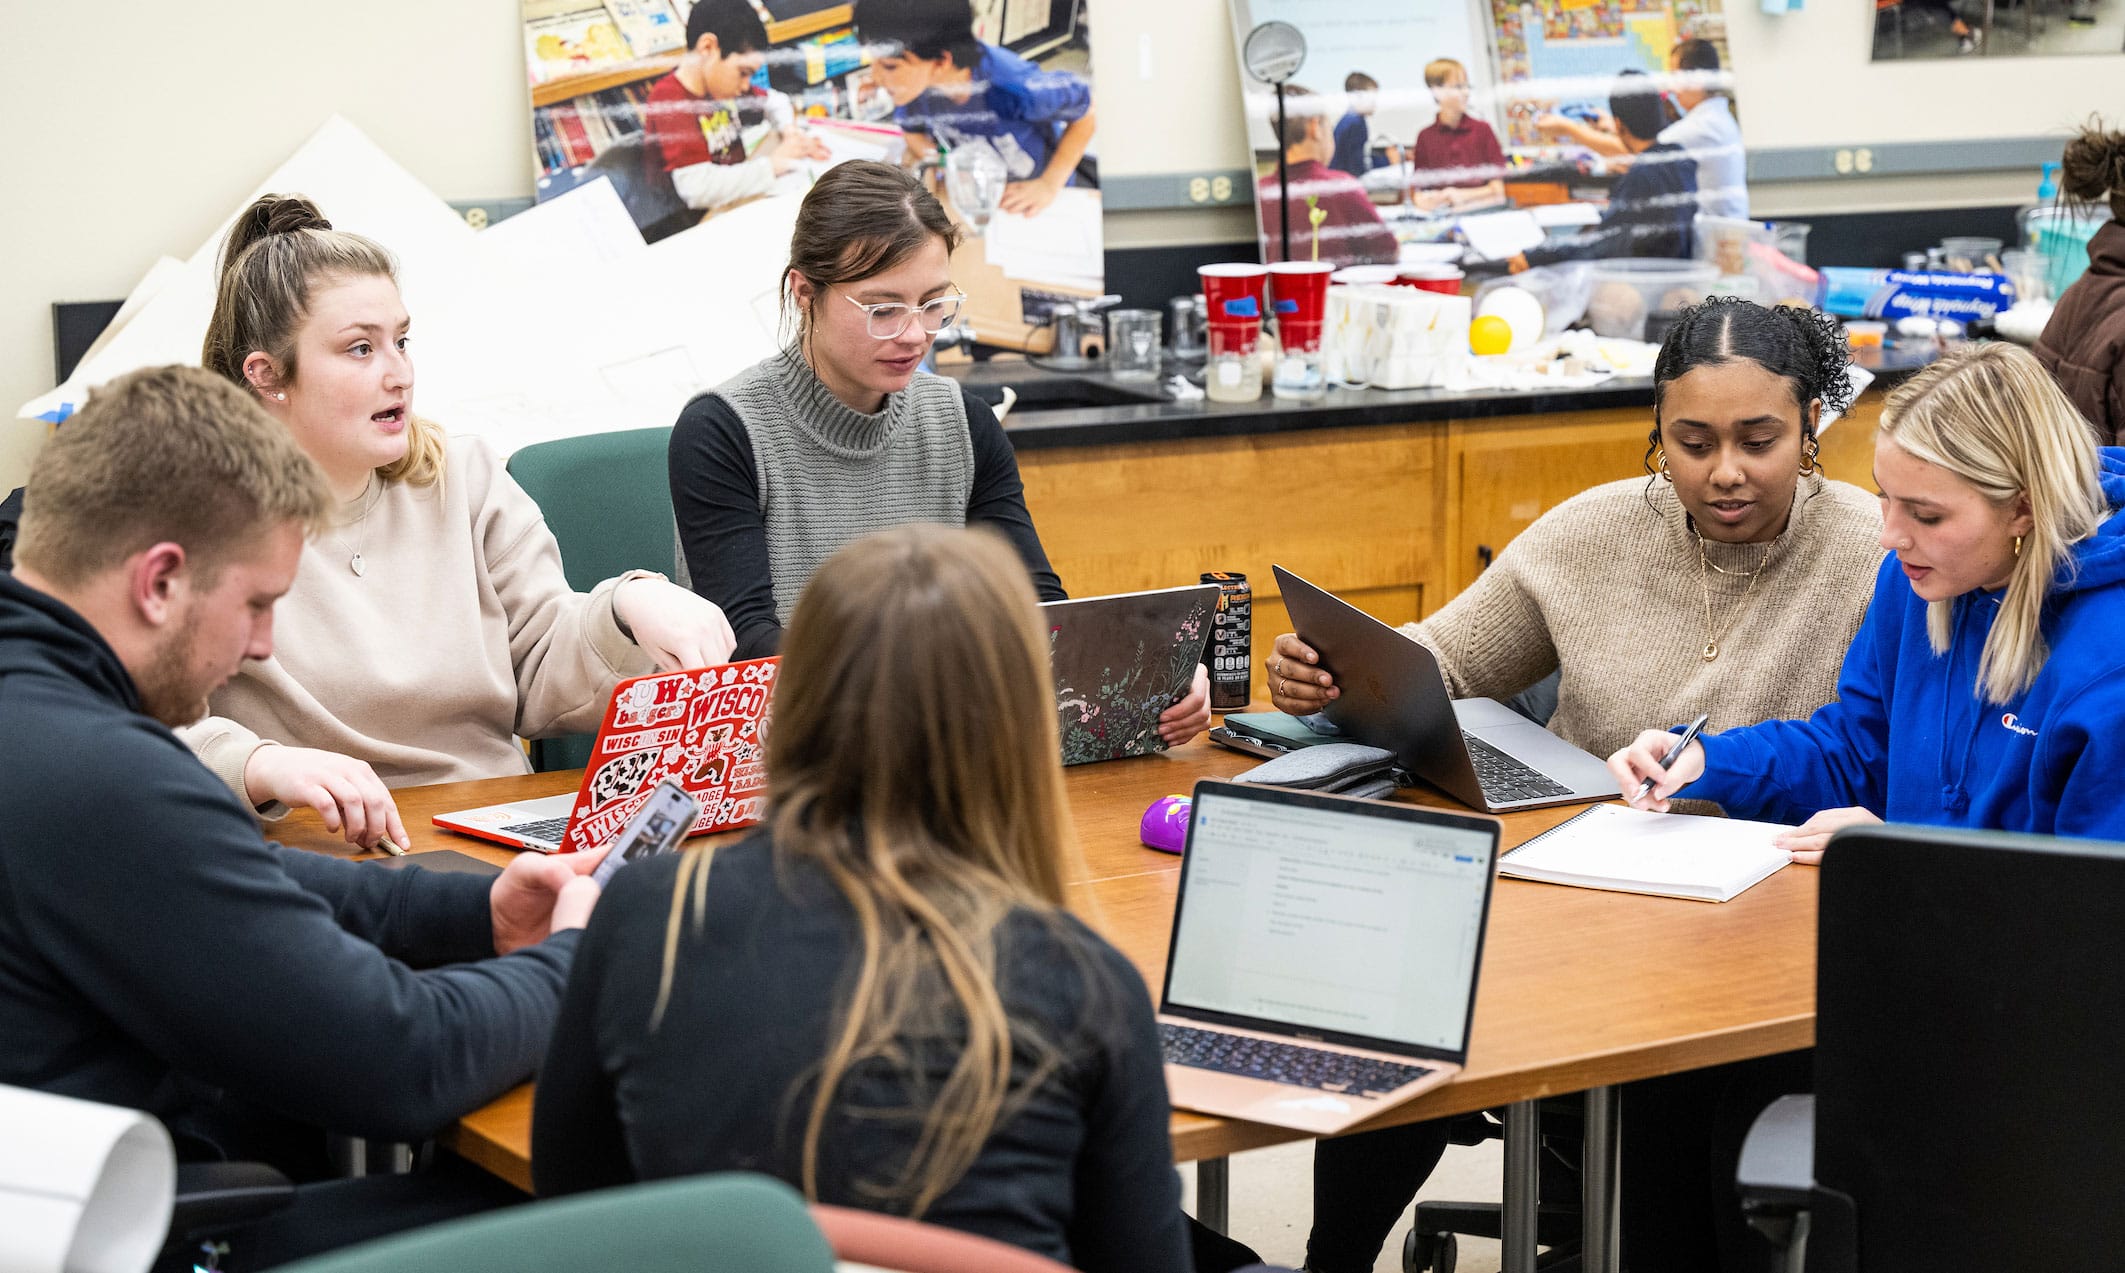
(1523, 1155)
(1600, 1182)
(1213, 1193)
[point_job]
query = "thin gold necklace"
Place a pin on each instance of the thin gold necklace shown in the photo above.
(1713, 635)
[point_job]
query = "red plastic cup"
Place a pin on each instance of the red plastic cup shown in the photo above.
(1443, 279)
(1300, 289)
(1234, 338)
(1238, 294)
(1297, 336)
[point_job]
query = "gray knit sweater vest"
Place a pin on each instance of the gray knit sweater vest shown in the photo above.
(829, 475)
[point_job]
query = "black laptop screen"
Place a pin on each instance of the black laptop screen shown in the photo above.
(1330, 918)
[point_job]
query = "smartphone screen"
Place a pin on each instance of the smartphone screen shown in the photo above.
(657, 827)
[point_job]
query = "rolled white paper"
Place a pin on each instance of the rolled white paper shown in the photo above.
(84, 1188)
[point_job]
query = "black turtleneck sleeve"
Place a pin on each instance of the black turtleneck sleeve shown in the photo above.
(715, 493)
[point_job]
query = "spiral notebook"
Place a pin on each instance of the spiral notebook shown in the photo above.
(1637, 851)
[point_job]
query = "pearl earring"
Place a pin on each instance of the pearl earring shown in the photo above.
(281, 397)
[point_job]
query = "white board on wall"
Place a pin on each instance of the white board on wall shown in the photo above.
(1390, 40)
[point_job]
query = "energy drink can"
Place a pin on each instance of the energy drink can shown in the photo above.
(1231, 643)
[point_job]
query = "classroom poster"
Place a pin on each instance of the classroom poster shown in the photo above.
(621, 93)
(1561, 56)
(1348, 43)
(2004, 28)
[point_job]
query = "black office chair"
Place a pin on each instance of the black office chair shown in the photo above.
(1433, 1242)
(216, 1200)
(1969, 1074)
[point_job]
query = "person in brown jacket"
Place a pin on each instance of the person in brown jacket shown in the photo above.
(2083, 346)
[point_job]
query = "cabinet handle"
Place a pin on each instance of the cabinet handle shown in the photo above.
(1483, 555)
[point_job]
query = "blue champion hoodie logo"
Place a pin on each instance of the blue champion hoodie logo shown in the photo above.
(2011, 722)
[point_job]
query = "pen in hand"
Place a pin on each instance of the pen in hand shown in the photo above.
(1674, 753)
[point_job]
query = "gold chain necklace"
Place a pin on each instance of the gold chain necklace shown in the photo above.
(1704, 568)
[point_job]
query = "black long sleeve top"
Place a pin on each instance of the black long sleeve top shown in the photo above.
(1082, 1173)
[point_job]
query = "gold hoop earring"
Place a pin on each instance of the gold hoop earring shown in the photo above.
(1810, 457)
(1660, 461)
(2017, 545)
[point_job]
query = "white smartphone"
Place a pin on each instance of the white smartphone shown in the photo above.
(657, 827)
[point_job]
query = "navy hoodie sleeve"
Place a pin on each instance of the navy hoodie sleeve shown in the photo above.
(1790, 770)
(999, 496)
(716, 496)
(250, 968)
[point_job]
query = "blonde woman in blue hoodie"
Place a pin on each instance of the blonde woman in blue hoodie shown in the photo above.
(1986, 686)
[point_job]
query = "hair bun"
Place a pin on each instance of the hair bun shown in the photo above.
(1827, 339)
(2093, 165)
(284, 214)
(270, 215)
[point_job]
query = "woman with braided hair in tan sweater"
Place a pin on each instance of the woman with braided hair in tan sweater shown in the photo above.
(1730, 582)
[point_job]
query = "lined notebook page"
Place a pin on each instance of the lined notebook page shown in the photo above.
(1637, 851)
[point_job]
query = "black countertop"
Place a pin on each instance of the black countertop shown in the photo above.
(1167, 421)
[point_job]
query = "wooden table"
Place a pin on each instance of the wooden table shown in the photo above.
(1580, 990)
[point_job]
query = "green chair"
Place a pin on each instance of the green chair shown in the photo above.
(607, 499)
(733, 1223)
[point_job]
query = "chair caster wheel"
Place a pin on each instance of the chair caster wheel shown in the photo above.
(1429, 1253)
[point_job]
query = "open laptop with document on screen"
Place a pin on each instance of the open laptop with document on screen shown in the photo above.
(1324, 954)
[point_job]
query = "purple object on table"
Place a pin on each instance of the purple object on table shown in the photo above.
(1165, 824)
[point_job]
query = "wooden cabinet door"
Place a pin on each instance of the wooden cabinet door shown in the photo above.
(1353, 510)
(1503, 474)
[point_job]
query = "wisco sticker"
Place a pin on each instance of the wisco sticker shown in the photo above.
(2011, 722)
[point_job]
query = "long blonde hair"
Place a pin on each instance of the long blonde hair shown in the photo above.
(1993, 417)
(279, 250)
(913, 757)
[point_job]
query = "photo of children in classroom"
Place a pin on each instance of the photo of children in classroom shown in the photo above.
(1381, 134)
(692, 107)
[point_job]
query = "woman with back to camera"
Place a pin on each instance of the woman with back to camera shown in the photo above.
(430, 627)
(880, 996)
(1730, 584)
(841, 433)
(2083, 346)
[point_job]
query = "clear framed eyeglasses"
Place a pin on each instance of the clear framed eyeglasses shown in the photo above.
(888, 319)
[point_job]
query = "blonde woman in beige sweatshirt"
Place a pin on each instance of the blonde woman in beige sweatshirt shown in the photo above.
(1731, 583)
(429, 626)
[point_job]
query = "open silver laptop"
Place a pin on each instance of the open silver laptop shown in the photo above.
(1477, 750)
(1324, 954)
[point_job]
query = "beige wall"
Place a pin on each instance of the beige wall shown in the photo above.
(184, 115)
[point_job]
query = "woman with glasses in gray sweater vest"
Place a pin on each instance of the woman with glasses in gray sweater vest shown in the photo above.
(841, 434)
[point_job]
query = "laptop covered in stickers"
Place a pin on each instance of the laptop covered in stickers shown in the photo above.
(1119, 662)
(705, 728)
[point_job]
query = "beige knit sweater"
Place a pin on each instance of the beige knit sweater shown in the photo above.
(460, 636)
(1610, 592)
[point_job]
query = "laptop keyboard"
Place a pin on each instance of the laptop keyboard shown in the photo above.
(1291, 1063)
(549, 829)
(1505, 780)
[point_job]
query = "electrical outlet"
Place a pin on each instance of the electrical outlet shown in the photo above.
(1210, 188)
